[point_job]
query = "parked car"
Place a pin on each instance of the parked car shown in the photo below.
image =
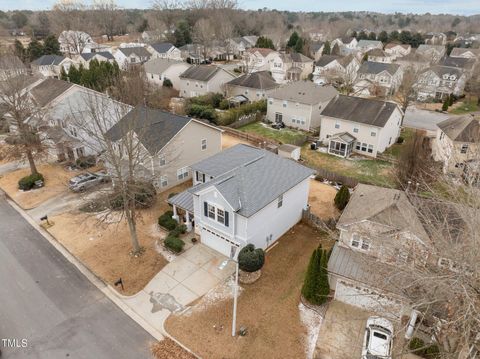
(377, 342)
(87, 180)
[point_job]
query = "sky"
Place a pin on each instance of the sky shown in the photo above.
(460, 7)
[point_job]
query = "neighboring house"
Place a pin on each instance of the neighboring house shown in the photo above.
(151, 36)
(378, 227)
(11, 65)
(347, 45)
(457, 144)
(367, 45)
(378, 55)
(193, 54)
(170, 144)
(165, 50)
(94, 47)
(128, 56)
(254, 87)
(238, 45)
(85, 58)
(467, 53)
(244, 195)
(316, 49)
(438, 82)
(354, 124)
(331, 69)
(378, 79)
(73, 42)
(432, 53)
(258, 59)
(436, 38)
(157, 70)
(51, 65)
(202, 79)
(464, 63)
(299, 104)
(291, 67)
(413, 61)
(397, 50)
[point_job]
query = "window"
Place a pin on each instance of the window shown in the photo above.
(359, 242)
(358, 146)
(373, 134)
(80, 152)
(337, 125)
(211, 211)
(270, 101)
(204, 144)
(355, 241)
(284, 103)
(355, 130)
(364, 147)
(278, 117)
(280, 201)
(164, 181)
(365, 245)
(220, 216)
(464, 148)
(162, 161)
(370, 149)
(182, 173)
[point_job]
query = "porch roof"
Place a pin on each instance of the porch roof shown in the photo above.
(183, 200)
(344, 137)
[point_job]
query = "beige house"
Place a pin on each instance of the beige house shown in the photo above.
(52, 65)
(171, 143)
(202, 79)
(291, 67)
(85, 58)
(331, 68)
(397, 50)
(254, 87)
(158, 70)
(299, 104)
(378, 79)
(457, 145)
(258, 59)
(438, 82)
(432, 53)
(467, 53)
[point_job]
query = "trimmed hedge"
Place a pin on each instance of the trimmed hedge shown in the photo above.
(167, 83)
(178, 230)
(86, 161)
(166, 221)
(205, 112)
(174, 243)
(251, 259)
(28, 182)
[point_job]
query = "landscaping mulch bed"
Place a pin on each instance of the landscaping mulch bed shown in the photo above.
(168, 349)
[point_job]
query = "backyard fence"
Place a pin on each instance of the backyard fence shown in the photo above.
(254, 139)
(246, 120)
(322, 173)
(316, 222)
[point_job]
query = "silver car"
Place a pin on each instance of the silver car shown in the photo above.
(87, 180)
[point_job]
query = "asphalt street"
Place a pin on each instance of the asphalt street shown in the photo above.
(48, 309)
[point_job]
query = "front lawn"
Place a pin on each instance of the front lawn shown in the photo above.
(284, 135)
(376, 172)
(268, 308)
(466, 106)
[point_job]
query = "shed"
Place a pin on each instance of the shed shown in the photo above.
(289, 151)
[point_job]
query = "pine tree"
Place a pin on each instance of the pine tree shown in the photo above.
(34, 50)
(323, 285)
(293, 39)
(51, 46)
(299, 46)
(326, 48)
(445, 104)
(342, 197)
(63, 75)
(19, 50)
(311, 282)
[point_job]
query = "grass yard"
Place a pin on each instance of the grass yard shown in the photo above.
(396, 149)
(284, 135)
(466, 106)
(268, 308)
(376, 172)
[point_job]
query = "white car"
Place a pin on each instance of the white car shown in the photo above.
(377, 343)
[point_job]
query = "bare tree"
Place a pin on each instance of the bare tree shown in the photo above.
(225, 31)
(108, 16)
(69, 15)
(203, 32)
(406, 90)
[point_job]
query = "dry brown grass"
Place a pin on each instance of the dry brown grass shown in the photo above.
(168, 349)
(230, 141)
(321, 198)
(268, 308)
(105, 248)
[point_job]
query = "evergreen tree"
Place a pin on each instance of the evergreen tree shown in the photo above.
(323, 285)
(335, 50)
(63, 75)
(342, 197)
(326, 48)
(293, 40)
(19, 50)
(51, 46)
(265, 43)
(182, 34)
(362, 36)
(372, 36)
(311, 282)
(354, 34)
(74, 74)
(383, 37)
(445, 104)
(299, 46)
(393, 36)
(34, 50)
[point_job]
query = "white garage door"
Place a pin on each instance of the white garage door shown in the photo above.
(365, 298)
(216, 242)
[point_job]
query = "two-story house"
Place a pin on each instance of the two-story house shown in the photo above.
(438, 82)
(254, 86)
(257, 59)
(435, 38)
(467, 53)
(165, 50)
(377, 79)
(158, 70)
(244, 195)
(354, 124)
(202, 79)
(367, 45)
(299, 104)
(84, 59)
(332, 69)
(457, 144)
(432, 53)
(397, 50)
(379, 232)
(347, 45)
(129, 56)
(170, 144)
(238, 45)
(51, 65)
(316, 49)
(291, 67)
(378, 55)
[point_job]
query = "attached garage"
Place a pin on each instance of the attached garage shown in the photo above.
(217, 242)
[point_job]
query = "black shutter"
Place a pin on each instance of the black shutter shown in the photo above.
(205, 209)
(226, 219)
(203, 177)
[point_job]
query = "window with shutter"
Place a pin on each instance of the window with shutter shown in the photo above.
(226, 219)
(205, 209)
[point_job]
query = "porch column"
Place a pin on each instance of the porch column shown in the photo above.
(175, 214)
(188, 222)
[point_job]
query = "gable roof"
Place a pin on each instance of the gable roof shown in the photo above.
(361, 110)
(425, 48)
(261, 80)
(371, 67)
(159, 66)
(315, 46)
(162, 47)
(200, 72)
(460, 62)
(347, 39)
(462, 129)
(48, 60)
(140, 51)
(458, 51)
(326, 59)
(48, 90)
(295, 57)
(11, 62)
(305, 92)
(392, 45)
(263, 51)
(440, 70)
(367, 43)
(90, 55)
(154, 128)
(377, 52)
(253, 177)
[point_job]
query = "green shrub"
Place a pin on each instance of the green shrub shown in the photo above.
(233, 114)
(174, 243)
(428, 351)
(85, 161)
(178, 230)
(445, 105)
(167, 83)
(166, 221)
(224, 105)
(400, 140)
(251, 259)
(342, 197)
(315, 287)
(28, 182)
(211, 99)
(205, 112)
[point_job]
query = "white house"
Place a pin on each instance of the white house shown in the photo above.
(438, 82)
(258, 59)
(165, 50)
(347, 45)
(254, 86)
(378, 55)
(127, 56)
(432, 53)
(378, 79)
(331, 69)
(290, 67)
(299, 104)
(354, 124)
(158, 70)
(244, 195)
(85, 58)
(202, 79)
(51, 65)
(367, 45)
(398, 50)
(436, 38)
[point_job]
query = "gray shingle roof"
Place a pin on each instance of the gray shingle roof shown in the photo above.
(162, 47)
(368, 43)
(326, 59)
(462, 129)
(458, 51)
(315, 46)
(304, 92)
(257, 80)
(370, 67)
(89, 55)
(154, 128)
(48, 90)
(256, 179)
(459, 62)
(423, 48)
(361, 110)
(159, 66)
(48, 60)
(140, 51)
(200, 72)
(445, 70)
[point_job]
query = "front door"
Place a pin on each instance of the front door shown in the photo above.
(278, 117)
(70, 154)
